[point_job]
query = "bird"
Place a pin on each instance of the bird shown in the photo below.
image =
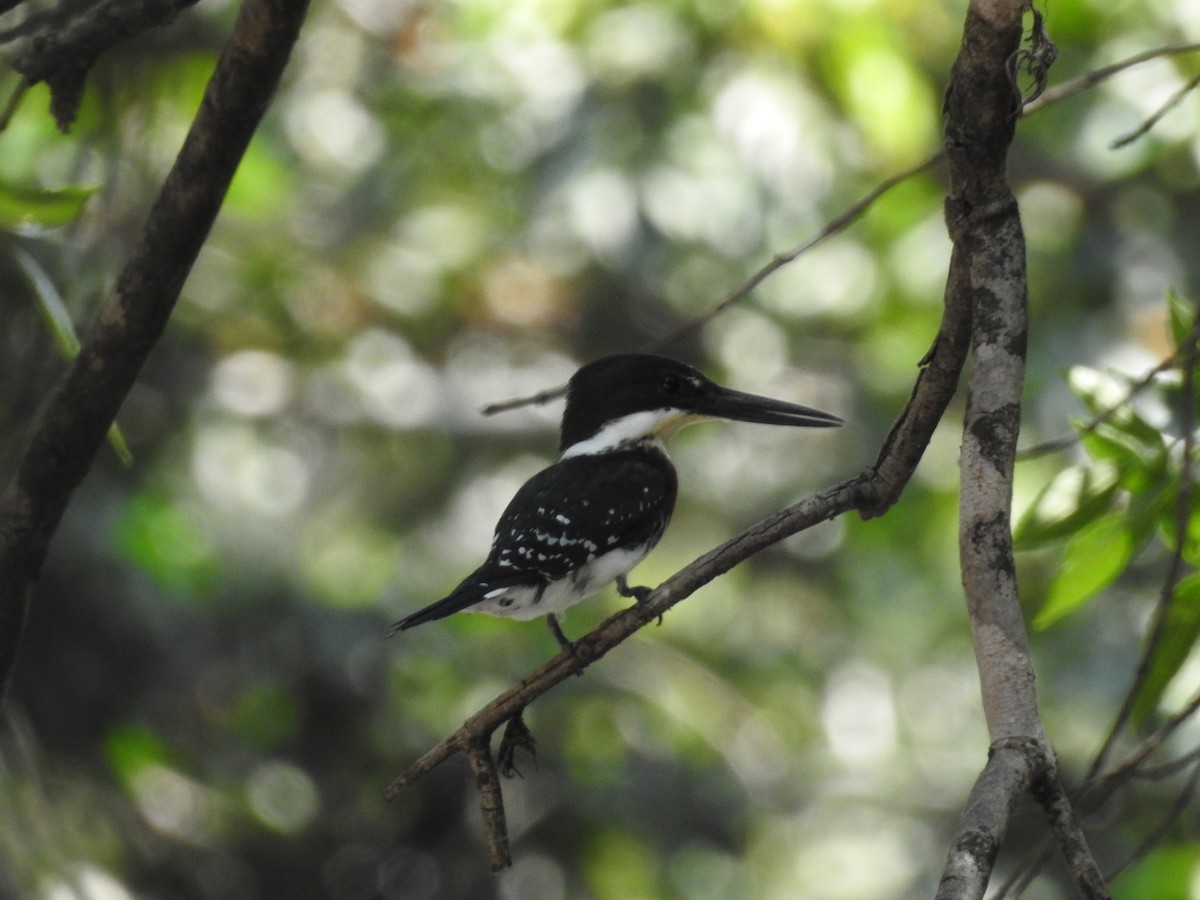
(585, 521)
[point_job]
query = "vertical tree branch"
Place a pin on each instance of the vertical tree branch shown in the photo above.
(982, 106)
(83, 404)
(984, 222)
(990, 429)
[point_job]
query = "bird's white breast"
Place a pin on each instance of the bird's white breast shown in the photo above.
(528, 603)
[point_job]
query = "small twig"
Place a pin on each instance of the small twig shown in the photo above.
(1043, 98)
(1160, 830)
(1167, 769)
(539, 399)
(1047, 789)
(13, 103)
(1068, 441)
(517, 736)
(1174, 100)
(1090, 79)
(834, 226)
(1095, 792)
(491, 804)
(1036, 61)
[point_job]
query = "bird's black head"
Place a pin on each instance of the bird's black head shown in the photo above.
(635, 395)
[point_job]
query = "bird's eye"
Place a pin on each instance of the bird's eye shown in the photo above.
(671, 384)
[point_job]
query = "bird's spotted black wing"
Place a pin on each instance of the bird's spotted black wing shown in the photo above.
(581, 508)
(563, 517)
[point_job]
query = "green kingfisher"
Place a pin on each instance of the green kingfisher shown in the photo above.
(587, 520)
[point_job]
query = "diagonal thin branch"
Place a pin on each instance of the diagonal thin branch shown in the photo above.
(1065, 443)
(1157, 116)
(1095, 792)
(811, 511)
(1090, 79)
(856, 210)
(1170, 817)
(1048, 790)
(837, 224)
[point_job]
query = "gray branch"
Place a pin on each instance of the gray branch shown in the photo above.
(983, 104)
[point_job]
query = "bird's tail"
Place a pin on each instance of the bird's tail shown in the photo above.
(466, 594)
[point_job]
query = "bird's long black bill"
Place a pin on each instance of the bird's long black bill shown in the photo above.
(730, 404)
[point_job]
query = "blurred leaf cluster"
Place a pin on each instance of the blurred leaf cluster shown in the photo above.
(456, 203)
(1135, 487)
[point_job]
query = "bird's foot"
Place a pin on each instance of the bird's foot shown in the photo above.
(639, 592)
(517, 736)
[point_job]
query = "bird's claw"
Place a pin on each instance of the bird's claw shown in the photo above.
(639, 592)
(517, 736)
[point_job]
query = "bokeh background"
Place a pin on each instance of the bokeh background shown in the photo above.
(456, 203)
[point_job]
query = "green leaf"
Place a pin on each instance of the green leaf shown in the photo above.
(50, 304)
(266, 715)
(1154, 500)
(116, 440)
(58, 320)
(1165, 874)
(1092, 560)
(1073, 498)
(1182, 316)
(168, 543)
(25, 207)
(1139, 429)
(1099, 391)
(1107, 394)
(1180, 631)
(1139, 464)
(130, 748)
(1191, 537)
(1164, 506)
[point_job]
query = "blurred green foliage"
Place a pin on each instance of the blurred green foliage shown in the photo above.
(455, 204)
